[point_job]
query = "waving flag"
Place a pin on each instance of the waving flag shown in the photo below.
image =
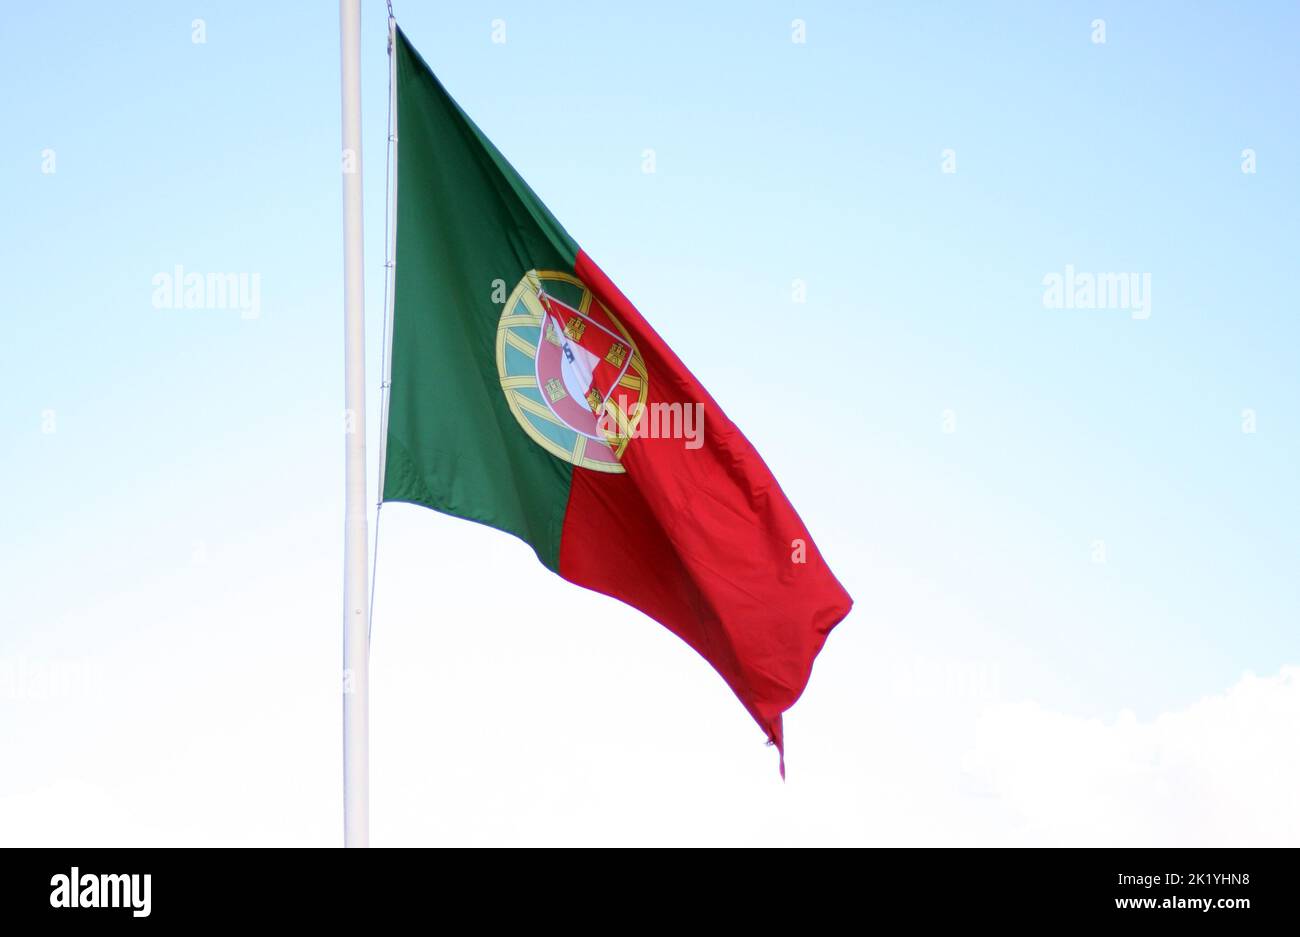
(527, 393)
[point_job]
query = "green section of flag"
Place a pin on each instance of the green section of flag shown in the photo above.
(468, 229)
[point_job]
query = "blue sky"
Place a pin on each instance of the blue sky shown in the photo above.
(182, 522)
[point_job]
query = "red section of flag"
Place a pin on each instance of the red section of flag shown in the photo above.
(703, 540)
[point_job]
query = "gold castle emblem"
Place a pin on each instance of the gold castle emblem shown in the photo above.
(574, 328)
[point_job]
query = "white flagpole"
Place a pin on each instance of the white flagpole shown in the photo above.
(356, 627)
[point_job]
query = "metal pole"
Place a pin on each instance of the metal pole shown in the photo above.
(356, 642)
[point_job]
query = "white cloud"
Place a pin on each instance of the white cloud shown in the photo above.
(1220, 772)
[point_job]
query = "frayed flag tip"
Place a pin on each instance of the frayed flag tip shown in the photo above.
(780, 752)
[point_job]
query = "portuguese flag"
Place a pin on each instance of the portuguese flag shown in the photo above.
(527, 393)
